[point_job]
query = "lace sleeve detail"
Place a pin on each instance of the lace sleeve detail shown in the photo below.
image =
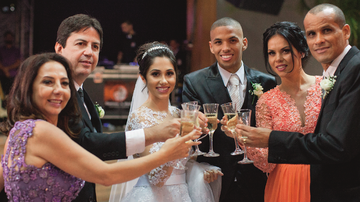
(130, 124)
(161, 173)
(175, 112)
(144, 117)
(264, 120)
(141, 118)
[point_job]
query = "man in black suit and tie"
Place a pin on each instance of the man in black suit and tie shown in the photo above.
(211, 85)
(79, 39)
(333, 150)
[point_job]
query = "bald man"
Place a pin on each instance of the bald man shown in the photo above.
(333, 150)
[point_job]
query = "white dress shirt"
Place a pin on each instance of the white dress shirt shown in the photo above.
(334, 65)
(225, 75)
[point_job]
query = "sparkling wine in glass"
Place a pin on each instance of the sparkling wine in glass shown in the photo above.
(244, 116)
(229, 110)
(211, 113)
(193, 106)
(188, 121)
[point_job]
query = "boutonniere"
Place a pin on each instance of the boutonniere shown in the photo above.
(100, 110)
(327, 84)
(257, 90)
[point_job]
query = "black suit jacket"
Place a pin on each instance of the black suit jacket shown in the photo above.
(333, 150)
(104, 146)
(207, 86)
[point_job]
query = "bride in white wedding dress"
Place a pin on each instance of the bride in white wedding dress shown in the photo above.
(165, 183)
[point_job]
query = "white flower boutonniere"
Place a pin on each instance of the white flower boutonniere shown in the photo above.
(100, 110)
(327, 84)
(257, 90)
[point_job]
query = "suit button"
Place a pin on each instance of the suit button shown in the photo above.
(104, 155)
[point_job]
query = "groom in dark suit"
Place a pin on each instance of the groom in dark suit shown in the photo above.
(79, 39)
(210, 85)
(333, 150)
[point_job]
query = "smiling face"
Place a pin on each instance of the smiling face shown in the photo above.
(326, 39)
(82, 50)
(51, 90)
(160, 78)
(227, 44)
(280, 57)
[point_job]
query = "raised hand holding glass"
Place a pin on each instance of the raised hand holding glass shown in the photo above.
(244, 117)
(229, 110)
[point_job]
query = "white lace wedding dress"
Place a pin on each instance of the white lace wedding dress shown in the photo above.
(181, 185)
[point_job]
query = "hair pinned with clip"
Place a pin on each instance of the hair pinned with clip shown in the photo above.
(154, 48)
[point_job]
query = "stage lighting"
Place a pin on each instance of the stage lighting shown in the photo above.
(8, 6)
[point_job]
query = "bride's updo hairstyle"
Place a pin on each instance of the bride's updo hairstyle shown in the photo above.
(292, 34)
(147, 52)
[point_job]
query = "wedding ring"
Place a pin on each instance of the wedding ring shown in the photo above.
(244, 140)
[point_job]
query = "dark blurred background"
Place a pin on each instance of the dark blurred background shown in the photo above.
(159, 20)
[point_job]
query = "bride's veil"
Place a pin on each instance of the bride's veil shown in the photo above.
(197, 186)
(140, 95)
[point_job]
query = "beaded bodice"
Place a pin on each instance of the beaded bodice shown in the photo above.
(144, 117)
(28, 183)
(276, 110)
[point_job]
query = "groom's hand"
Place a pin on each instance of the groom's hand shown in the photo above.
(203, 123)
(162, 132)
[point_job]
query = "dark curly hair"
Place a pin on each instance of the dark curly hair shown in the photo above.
(292, 34)
(145, 61)
(20, 105)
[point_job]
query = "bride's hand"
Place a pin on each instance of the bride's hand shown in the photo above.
(212, 175)
(179, 147)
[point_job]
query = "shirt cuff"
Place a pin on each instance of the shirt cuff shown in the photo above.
(135, 141)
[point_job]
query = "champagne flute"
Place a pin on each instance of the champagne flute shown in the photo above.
(188, 121)
(211, 113)
(193, 105)
(229, 110)
(244, 117)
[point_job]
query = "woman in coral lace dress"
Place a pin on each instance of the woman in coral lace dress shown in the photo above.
(294, 105)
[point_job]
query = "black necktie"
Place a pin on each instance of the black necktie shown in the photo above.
(81, 93)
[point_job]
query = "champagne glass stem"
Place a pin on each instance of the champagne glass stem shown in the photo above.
(245, 160)
(211, 152)
(197, 151)
(211, 135)
(237, 151)
(245, 152)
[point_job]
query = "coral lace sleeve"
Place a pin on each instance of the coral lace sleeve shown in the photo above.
(264, 120)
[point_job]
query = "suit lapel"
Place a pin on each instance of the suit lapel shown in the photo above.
(95, 120)
(84, 113)
(216, 85)
(248, 102)
(219, 91)
(337, 73)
